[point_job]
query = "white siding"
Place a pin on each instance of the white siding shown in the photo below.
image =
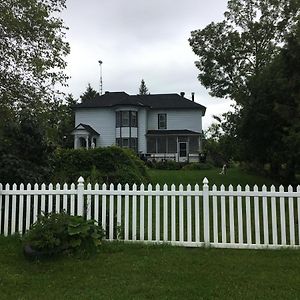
(103, 120)
(190, 119)
(142, 130)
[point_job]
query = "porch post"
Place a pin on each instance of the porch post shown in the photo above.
(75, 141)
(87, 142)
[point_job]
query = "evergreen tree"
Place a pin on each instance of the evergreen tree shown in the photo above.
(143, 90)
(89, 94)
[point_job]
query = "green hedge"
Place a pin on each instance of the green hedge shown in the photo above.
(102, 165)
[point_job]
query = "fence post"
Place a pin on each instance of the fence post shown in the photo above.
(206, 211)
(80, 202)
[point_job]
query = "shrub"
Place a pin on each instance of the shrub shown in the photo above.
(56, 233)
(198, 166)
(109, 165)
(166, 165)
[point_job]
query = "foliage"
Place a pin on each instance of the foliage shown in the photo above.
(89, 94)
(32, 52)
(165, 165)
(234, 50)
(197, 166)
(109, 165)
(55, 233)
(143, 90)
(25, 153)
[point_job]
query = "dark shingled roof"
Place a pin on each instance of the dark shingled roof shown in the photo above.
(172, 132)
(88, 128)
(156, 101)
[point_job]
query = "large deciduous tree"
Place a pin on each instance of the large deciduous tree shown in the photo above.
(238, 48)
(33, 47)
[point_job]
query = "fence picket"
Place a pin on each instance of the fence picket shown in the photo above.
(240, 215)
(126, 229)
(265, 216)
(291, 217)
(35, 203)
(197, 215)
(13, 210)
(111, 213)
(1, 189)
(28, 204)
(134, 213)
(103, 207)
(142, 213)
(96, 203)
(50, 198)
(65, 198)
(223, 219)
(165, 189)
(274, 217)
(181, 225)
(173, 213)
(149, 217)
(157, 214)
(248, 216)
(57, 199)
(43, 198)
(256, 216)
(215, 215)
(189, 213)
(119, 205)
(6, 211)
(231, 214)
(89, 202)
(21, 207)
(298, 208)
(282, 217)
(72, 204)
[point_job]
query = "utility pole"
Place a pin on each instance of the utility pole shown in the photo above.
(101, 83)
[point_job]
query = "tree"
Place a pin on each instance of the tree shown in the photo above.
(89, 94)
(233, 51)
(32, 52)
(143, 90)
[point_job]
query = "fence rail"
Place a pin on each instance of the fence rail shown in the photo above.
(187, 216)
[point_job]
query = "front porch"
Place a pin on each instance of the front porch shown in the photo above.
(84, 136)
(178, 145)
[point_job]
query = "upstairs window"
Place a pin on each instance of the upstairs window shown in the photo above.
(162, 121)
(126, 118)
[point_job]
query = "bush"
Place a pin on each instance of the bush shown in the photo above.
(57, 233)
(102, 165)
(166, 165)
(198, 166)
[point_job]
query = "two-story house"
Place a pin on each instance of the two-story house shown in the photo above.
(161, 126)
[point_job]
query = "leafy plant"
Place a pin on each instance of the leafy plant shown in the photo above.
(55, 233)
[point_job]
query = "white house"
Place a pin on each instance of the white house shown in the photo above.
(161, 126)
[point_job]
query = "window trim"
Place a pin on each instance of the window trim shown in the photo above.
(159, 121)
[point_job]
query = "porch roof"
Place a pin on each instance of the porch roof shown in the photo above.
(172, 132)
(86, 127)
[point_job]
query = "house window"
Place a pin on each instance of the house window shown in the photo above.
(131, 143)
(126, 118)
(162, 121)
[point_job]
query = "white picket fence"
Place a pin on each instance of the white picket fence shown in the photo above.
(227, 218)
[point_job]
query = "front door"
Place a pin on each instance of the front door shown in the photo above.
(183, 151)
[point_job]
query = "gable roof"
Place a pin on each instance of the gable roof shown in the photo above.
(88, 128)
(156, 101)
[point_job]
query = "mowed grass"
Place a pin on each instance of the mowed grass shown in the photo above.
(123, 271)
(234, 176)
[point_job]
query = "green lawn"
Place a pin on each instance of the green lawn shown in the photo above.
(151, 272)
(234, 176)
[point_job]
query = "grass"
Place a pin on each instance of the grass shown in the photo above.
(234, 176)
(122, 271)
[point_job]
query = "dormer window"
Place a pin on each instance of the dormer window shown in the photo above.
(162, 121)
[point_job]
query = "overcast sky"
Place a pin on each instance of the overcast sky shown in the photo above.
(138, 39)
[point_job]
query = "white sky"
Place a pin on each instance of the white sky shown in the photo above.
(138, 39)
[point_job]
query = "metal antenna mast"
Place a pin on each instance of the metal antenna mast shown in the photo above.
(101, 83)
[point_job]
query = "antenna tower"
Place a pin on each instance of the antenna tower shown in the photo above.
(101, 83)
